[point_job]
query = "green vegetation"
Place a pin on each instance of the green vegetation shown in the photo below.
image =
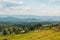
(30, 32)
(34, 35)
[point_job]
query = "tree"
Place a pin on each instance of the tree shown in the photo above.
(38, 26)
(4, 32)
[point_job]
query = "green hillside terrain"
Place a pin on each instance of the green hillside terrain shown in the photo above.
(34, 35)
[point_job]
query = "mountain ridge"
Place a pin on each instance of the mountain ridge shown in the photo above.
(29, 18)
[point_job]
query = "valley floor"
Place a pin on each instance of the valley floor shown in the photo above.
(34, 35)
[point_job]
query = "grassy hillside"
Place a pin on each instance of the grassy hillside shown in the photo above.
(35, 35)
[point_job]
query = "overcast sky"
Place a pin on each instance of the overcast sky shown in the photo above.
(30, 7)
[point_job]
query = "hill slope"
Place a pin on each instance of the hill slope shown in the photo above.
(35, 35)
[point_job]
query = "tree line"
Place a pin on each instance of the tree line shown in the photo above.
(20, 29)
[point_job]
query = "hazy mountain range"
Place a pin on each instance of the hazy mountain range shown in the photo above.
(29, 18)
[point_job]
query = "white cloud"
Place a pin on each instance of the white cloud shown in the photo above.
(8, 5)
(43, 4)
(27, 8)
(21, 2)
(53, 0)
(12, 1)
(1, 6)
(14, 7)
(33, 12)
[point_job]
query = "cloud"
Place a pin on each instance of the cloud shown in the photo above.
(8, 5)
(11, 1)
(12, 5)
(16, 7)
(33, 12)
(1, 6)
(53, 0)
(21, 2)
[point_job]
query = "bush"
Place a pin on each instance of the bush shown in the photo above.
(4, 33)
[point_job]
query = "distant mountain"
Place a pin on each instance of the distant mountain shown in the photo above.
(29, 18)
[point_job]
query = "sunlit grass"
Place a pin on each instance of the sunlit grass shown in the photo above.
(34, 35)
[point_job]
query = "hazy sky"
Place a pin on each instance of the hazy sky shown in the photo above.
(30, 7)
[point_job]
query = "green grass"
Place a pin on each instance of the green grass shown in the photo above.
(35, 35)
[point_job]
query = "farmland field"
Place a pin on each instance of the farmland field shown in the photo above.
(34, 35)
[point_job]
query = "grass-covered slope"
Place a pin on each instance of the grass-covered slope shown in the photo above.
(35, 35)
